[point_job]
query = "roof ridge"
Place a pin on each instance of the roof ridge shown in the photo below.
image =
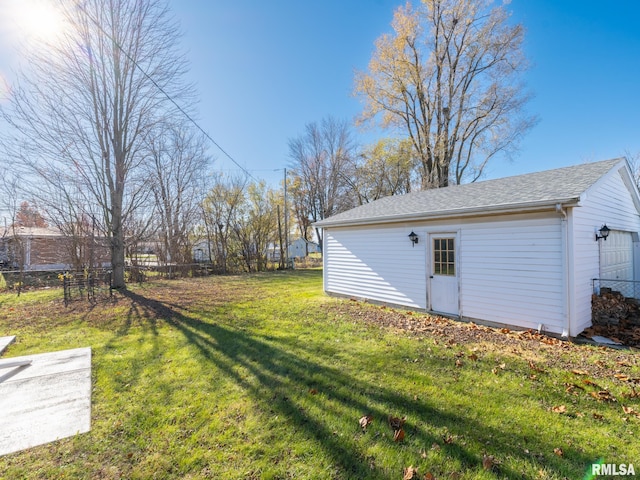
(534, 189)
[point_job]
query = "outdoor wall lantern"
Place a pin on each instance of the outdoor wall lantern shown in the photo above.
(414, 238)
(604, 232)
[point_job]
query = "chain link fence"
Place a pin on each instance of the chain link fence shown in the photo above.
(627, 288)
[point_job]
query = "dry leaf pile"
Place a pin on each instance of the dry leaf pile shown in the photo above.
(528, 343)
(615, 317)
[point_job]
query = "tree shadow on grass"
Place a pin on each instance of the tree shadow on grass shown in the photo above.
(281, 372)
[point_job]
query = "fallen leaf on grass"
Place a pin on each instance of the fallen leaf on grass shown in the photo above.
(313, 391)
(429, 476)
(591, 382)
(398, 435)
(603, 395)
(571, 387)
(473, 357)
(459, 363)
(597, 416)
(630, 411)
(623, 363)
(396, 423)
(534, 367)
(558, 451)
(410, 473)
(579, 372)
(365, 421)
(633, 393)
(551, 341)
(488, 461)
(559, 409)
(622, 377)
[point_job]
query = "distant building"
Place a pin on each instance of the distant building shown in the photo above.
(301, 248)
(47, 248)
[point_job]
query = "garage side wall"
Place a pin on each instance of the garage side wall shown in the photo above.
(512, 272)
(510, 268)
(609, 201)
(377, 263)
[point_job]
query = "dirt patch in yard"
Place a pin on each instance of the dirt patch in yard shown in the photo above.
(151, 301)
(540, 350)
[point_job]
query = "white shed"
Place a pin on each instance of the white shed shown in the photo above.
(519, 251)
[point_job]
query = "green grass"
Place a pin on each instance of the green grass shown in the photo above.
(264, 377)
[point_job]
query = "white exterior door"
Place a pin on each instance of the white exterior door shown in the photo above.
(443, 278)
(616, 256)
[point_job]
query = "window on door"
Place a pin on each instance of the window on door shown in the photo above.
(444, 256)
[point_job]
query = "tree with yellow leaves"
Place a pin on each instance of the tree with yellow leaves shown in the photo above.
(450, 77)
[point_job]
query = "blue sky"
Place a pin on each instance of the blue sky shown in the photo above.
(263, 70)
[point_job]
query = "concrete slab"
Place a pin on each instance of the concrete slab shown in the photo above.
(604, 340)
(5, 342)
(44, 397)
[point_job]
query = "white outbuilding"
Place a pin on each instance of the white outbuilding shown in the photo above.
(522, 251)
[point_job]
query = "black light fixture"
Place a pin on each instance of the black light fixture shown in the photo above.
(604, 232)
(414, 238)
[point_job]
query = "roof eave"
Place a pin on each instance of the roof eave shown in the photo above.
(527, 207)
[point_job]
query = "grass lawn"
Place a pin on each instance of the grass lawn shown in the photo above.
(264, 377)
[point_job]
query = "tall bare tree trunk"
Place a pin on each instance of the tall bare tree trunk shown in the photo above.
(85, 110)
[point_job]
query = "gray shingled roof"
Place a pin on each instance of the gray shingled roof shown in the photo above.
(532, 190)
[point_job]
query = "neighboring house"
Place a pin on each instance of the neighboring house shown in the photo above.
(519, 251)
(301, 248)
(47, 249)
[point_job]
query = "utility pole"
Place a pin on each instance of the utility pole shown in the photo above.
(286, 221)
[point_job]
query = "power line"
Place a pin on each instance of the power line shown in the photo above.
(137, 65)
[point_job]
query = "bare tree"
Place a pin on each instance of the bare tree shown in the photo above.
(634, 162)
(221, 212)
(449, 76)
(256, 228)
(301, 208)
(83, 111)
(13, 252)
(385, 168)
(66, 209)
(178, 164)
(323, 161)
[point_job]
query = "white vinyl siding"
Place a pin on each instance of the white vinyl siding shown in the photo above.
(608, 201)
(512, 272)
(379, 264)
